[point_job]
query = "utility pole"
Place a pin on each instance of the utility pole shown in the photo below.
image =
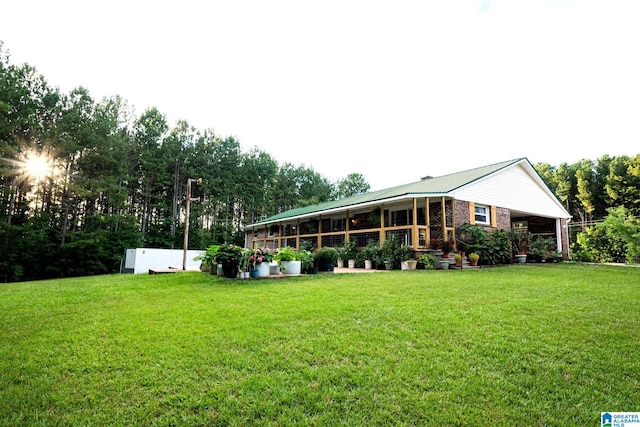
(186, 220)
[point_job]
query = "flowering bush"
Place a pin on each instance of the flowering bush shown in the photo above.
(259, 255)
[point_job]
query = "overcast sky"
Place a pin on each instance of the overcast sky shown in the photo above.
(393, 90)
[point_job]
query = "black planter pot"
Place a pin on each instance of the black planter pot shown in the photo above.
(312, 270)
(230, 271)
(325, 266)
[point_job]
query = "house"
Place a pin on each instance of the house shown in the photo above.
(503, 195)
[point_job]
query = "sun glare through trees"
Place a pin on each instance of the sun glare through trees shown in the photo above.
(36, 166)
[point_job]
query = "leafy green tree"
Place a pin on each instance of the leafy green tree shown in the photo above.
(594, 244)
(623, 183)
(258, 173)
(585, 182)
(547, 172)
(565, 185)
(621, 224)
(149, 130)
(176, 148)
(313, 188)
(352, 185)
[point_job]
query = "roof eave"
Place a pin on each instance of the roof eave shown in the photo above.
(345, 208)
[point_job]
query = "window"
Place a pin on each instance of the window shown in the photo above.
(520, 226)
(401, 217)
(339, 224)
(482, 214)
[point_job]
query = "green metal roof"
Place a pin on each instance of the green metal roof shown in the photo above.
(432, 186)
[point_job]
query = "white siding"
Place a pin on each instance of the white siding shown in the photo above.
(513, 188)
(141, 260)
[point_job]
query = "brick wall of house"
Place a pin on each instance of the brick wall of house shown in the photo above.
(503, 216)
(462, 212)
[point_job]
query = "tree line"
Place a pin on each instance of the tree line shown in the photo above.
(603, 196)
(83, 179)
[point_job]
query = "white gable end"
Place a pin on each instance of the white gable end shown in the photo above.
(515, 189)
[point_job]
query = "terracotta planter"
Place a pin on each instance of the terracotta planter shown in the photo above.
(408, 265)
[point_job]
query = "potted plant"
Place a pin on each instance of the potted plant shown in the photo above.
(543, 249)
(326, 258)
(436, 246)
(370, 254)
(349, 252)
(307, 262)
(208, 259)
(406, 256)
(245, 266)
(229, 255)
(473, 258)
(340, 260)
(392, 252)
(520, 244)
(458, 258)
(288, 261)
(446, 248)
(260, 260)
(428, 261)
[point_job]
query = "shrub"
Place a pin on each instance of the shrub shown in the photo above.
(428, 260)
(229, 254)
(447, 246)
(326, 258)
(306, 260)
(372, 250)
(543, 249)
(349, 250)
(208, 258)
(493, 247)
(394, 252)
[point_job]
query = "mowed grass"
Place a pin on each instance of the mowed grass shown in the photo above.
(520, 345)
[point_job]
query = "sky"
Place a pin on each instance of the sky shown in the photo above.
(393, 90)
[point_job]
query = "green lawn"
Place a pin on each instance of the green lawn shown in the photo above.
(520, 345)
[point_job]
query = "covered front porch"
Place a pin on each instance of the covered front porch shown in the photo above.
(415, 221)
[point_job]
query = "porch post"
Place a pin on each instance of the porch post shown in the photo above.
(443, 207)
(266, 236)
(347, 227)
(428, 219)
(414, 228)
(382, 233)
